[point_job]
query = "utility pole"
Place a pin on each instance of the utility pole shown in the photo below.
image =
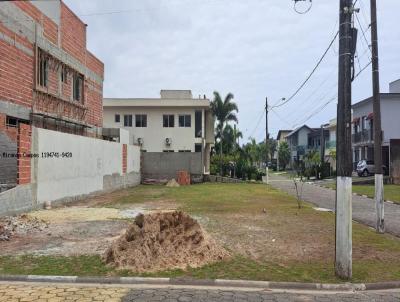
(266, 138)
(234, 150)
(343, 221)
(379, 203)
(322, 149)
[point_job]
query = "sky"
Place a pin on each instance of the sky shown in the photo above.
(253, 49)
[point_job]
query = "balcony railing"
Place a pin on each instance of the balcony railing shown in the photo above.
(363, 136)
(330, 145)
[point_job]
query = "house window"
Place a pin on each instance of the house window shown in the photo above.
(168, 121)
(43, 70)
(168, 151)
(78, 87)
(185, 120)
(186, 151)
(197, 148)
(11, 121)
(117, 118)
(128, 120)
(64, 74)
(141, 120)
(197, 123)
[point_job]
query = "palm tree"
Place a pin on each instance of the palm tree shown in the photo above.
(224, 111)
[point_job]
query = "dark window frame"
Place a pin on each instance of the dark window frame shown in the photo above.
(128, 120)
(64, 74)
(77, 87)
(141, 120)
(185, 120)
(198, 146)
(43, 69)
(168, 120)
(117, 118)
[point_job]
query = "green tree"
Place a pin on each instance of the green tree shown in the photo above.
(224, 111)
(312, 161)
(283, 155)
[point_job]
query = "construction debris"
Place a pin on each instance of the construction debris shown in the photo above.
(20, 225)
(163, 240)
(153, 181)
(172, 183)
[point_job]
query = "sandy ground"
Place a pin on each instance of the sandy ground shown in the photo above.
(81, 228)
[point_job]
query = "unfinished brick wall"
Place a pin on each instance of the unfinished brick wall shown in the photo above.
(24, 151)
(16, 72)
(124, 158)
(73, 34)
(17, 64)
(8, 146)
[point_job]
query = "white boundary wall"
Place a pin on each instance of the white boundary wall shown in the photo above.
(83, 173)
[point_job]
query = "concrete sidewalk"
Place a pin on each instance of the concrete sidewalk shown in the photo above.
(363, 207)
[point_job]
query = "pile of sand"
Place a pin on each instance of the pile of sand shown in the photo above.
(172, 183)
(160, 241)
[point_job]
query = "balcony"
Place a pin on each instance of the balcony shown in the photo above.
(330, 145)
(364, 136)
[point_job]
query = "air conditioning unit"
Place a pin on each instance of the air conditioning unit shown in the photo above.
(140, 141)
(168, 141)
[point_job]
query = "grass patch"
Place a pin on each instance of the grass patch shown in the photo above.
(375, 257)
(392, 192)
(53, 265)
(238, 268)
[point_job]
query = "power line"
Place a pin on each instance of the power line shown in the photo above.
(318, 110)
(310, 75)
(258, 123)
(363, 31)
(362, 69)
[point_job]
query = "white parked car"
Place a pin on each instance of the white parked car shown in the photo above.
(367, 167)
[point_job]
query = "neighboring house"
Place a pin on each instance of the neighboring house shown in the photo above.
(298, 143)
(330, 144)
(176, 122)
(362, 128)
(48, 78)
(314, 139)
(281, 137)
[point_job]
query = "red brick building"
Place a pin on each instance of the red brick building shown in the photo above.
(48, 78)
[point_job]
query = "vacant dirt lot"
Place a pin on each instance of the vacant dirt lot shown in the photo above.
(268, 237)
(81, 228)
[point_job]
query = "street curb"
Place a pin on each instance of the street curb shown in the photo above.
(204, 282)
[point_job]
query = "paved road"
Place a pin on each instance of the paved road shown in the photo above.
(188, 295)
(47, 292)
(363, 208)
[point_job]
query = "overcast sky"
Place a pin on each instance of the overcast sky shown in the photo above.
(252, 48)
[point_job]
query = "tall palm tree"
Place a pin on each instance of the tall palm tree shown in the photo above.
(224, 111)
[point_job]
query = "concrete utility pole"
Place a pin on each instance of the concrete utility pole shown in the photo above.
(344, 168)
(266, 138)
(322, 147)
(379, 201)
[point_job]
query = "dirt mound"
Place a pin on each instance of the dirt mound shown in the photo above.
(22, 224)
(160, 241)
(172, 183)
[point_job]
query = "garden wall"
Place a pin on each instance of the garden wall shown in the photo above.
(65, 167)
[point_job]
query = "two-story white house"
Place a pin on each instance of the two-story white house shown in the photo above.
(175, 122)
(363, 123)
